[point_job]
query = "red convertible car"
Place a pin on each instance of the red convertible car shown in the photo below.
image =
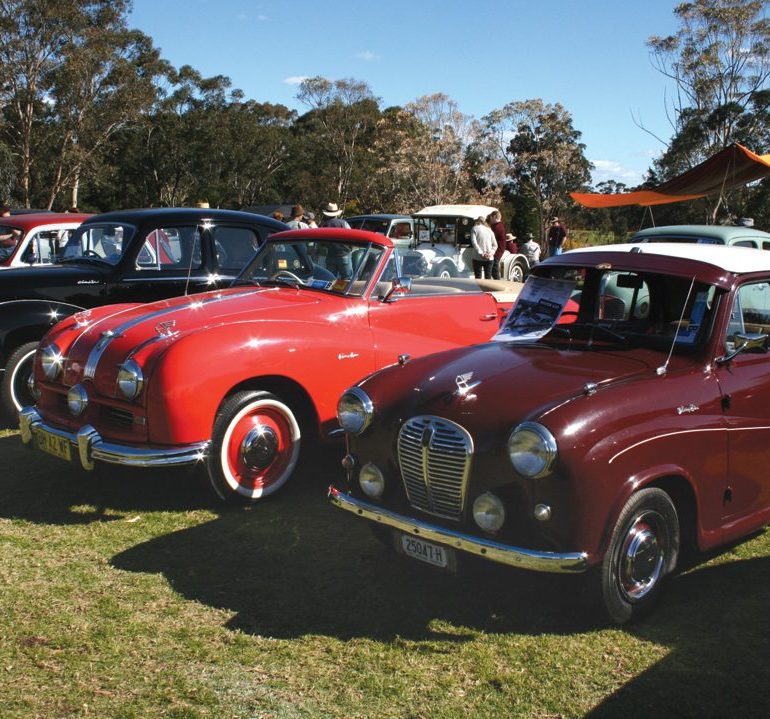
(239, 379)
(35, 238)
(599, 445)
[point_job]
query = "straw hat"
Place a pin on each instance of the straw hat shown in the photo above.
(330, 209)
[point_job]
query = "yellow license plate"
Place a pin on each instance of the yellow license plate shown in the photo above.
(52, 444)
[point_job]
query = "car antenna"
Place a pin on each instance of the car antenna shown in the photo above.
(664, 367)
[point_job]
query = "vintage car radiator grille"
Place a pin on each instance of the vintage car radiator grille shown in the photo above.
(434, 455)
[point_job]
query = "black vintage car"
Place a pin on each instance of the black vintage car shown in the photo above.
(124, 256)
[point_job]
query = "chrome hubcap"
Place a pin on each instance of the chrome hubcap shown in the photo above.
(259, 447)
(642, 558)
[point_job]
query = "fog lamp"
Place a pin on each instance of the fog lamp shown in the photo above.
(371, 480)
(77, 400)
(489, 512)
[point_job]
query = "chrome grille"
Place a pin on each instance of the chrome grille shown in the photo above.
(118, 417)
(434, 455)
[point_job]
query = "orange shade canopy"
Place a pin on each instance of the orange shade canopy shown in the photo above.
(735, 165)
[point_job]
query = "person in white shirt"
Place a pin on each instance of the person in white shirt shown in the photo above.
(297, 218)
(531, 250)
(484, 246)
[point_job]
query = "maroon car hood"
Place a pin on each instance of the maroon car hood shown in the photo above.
(520, 379)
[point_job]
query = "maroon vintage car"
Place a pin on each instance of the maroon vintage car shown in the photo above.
(596, 446)
(239, 380)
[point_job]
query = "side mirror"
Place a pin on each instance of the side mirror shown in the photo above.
(753, 343)
(399, 286)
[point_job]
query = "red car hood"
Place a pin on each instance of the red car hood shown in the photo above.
(152, 326)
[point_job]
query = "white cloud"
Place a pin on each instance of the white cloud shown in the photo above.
(296, 79)
(613, 170)
(366, 55)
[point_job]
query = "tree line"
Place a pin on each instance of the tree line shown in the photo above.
(91, 115)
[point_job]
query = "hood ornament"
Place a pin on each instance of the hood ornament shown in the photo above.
(465, 386)
(165, 328)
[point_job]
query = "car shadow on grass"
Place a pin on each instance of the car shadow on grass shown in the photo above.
(715, 621)
(43, 489)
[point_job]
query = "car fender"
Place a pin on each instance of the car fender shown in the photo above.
(188, 381)
(28, 320)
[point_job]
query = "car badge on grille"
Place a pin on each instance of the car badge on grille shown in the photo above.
(165, 328)
(465, 386)
(82, 318)
(427, 436)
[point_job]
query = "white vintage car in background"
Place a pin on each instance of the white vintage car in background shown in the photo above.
(442, 243)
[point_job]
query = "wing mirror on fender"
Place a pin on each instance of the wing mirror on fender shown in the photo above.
(399, 286)
(755, 343)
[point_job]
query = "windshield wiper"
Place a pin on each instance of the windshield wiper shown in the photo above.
(590, 329)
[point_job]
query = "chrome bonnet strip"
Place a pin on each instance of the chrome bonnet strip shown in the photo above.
(101, 346)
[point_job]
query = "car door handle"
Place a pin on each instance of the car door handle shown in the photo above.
(490, 316)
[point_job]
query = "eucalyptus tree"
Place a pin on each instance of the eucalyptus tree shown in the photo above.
(74, 75)
(719, 63)
(335, 131)
(533, 151)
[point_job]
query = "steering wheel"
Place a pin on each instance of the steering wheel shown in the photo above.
(91, 253)
(286, 273)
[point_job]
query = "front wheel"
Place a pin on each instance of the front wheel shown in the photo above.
(643, 550)
(517, 271)
(16, 381)
(255, 447)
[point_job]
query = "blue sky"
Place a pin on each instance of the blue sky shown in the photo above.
(589, 55)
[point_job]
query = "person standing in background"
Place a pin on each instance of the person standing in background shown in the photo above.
(557, 234)
(297, 221)
(498, 229)
(484, 248)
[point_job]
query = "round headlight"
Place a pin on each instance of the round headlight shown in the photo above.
(371, 480)
(355, 410)
(51, 361)
(489, 512)
(130, 379)
(77, 400)
(532, 449)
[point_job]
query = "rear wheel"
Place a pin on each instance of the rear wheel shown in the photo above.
(18, 372)
(643, 550)
(255, 447)
(445, 270)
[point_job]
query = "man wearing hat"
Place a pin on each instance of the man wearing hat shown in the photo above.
(338, 258)
(297, 218)
(557, 233)
(531, 250)
(332, 218)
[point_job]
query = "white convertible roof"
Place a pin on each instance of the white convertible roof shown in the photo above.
(472, 211)
(728, 258)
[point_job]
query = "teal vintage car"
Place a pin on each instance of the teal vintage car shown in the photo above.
(734, 235)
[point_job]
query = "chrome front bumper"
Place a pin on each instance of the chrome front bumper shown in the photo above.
(562, 563)
(89, 446)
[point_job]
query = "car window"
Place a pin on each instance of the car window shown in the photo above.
(401, 231)
(45, 246)
(171, 248)
(744, 243)
(750, 312)
(234, 246)
(105, 242)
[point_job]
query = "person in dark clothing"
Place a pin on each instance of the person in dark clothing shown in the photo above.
(498, 228)
(338, 258)
(557, 234)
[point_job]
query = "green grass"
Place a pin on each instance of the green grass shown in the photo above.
(132, 596)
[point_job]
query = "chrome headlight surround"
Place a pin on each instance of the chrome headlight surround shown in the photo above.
(355, 410)
(130, 379)
(77, 400)
(532, 450)
(51, 361)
